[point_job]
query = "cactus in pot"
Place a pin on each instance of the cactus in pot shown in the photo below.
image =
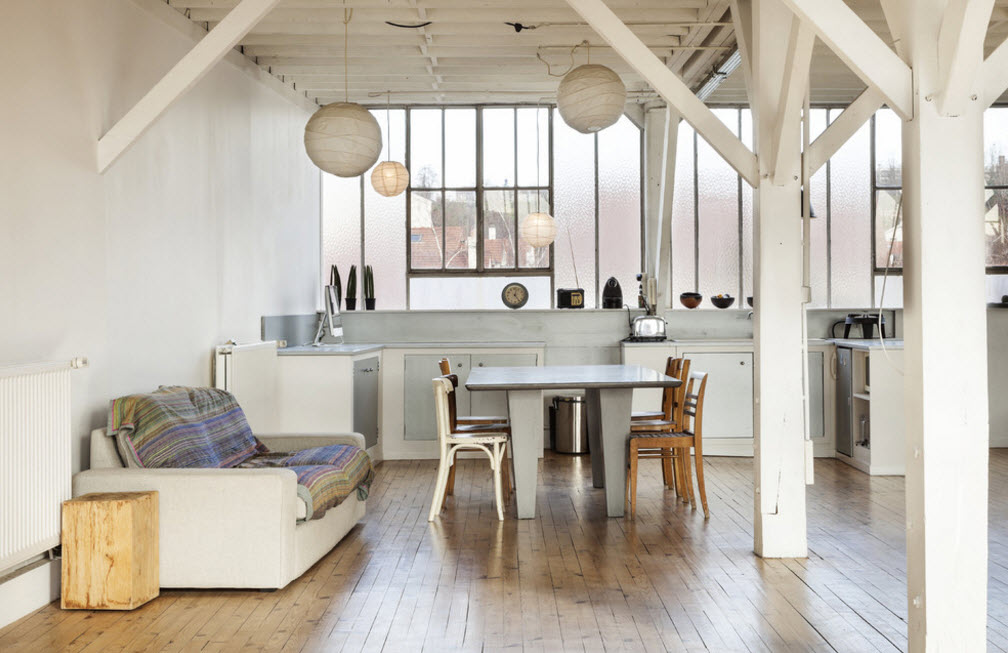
(369, 298)
(351, 289)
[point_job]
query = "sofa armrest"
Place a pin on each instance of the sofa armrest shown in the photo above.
(217, 527)
(280, 442)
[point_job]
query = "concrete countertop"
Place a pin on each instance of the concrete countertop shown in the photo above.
(853, 343)
(872, 343)
(353, 349)
(329, 350)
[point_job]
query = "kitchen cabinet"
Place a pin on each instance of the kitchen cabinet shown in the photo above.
(870, 421)
(728, 406)
(365, 399)
(845, 402)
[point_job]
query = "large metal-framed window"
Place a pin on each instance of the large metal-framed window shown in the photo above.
(459, 224)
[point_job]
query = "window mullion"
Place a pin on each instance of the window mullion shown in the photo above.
(480, 245)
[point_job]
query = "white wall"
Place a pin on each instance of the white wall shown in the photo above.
(210, 221)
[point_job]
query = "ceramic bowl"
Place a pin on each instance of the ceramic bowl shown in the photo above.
(723, 302)
(691, 299)
(749, 300)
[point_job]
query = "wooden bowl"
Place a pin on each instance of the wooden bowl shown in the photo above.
(722, 302)
(749, 301)
(691, 299)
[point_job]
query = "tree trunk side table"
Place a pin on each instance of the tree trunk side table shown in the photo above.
(110, 551)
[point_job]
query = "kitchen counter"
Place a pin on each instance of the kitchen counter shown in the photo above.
(353, 349)
(872, 343)
(329, 350)
(718, 342)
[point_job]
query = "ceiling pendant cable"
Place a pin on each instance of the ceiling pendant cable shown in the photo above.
(347, 15)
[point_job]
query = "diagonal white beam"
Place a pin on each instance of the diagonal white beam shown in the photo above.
(669, 86)
(960, 51)
(896, 13)
(663, 259)
(741, 14)
(182, 77)
(842, 128)
(793, 87)
(995, 74)
(861, 49)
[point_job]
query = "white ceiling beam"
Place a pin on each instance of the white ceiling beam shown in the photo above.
(741, 11)
(960, 52)
(669, 86)
(842, 129)
(896, 13)
(860, 49)
(793, 88)
(994, 71)
(183, 76)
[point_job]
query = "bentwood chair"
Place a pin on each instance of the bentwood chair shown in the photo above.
(445, 365)
(664, 445)
(667, 420)
(452, 440)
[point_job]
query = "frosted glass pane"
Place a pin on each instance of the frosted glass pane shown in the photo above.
(527, 147)
(819, 261)
(888, 148)
(683, 218)
(747, 219)
(460, 148)
(886, 207)
(850, 223)
(997, 287)
(474, 293)
(529, 256)
(718, 203)
(385, 225)
(893, 295)
(460, 229)
(425, 148)
(996, 226)
(499, 229)
(574, 209)
(340, 224)
(996, 147)
(620, 206)
(426, 218)
(498, 147)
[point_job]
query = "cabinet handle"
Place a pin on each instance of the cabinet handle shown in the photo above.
(481, 364)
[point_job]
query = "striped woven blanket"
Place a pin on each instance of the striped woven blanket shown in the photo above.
(178, 426)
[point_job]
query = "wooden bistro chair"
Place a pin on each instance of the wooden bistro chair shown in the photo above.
(667, 420)
(445, 365)
(662, 444)
(490, 439)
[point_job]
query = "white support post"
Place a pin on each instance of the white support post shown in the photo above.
(793, 87)
(663, 259)
(994, 74)
(779, 511)
(861, 49)
(842, 128)
(945, 395)
(654, 146)
(182, 77)
(669, 86)
(960, 52)
(741, 13)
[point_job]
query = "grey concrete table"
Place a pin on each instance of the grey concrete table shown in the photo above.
(608, 390)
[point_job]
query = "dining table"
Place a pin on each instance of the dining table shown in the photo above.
(608, 398)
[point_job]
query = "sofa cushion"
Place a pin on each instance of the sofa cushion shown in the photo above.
(178, 426)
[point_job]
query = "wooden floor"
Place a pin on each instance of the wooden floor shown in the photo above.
(570, 580)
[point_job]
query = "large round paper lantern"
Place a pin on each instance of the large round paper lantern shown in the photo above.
(538, 229)
(343, 139)
(389, 178)
(591, 97)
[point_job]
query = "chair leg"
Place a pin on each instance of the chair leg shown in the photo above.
(506, 476)
(633, 478)
(451, 478)
(437, 502)
(698, 457)
(496, 464)
(688, 474)
(680, 477)
(668, 474)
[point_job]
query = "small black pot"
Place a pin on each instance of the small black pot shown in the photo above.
(369, 304)
(351, 303)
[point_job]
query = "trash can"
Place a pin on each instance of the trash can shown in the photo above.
(570, 434)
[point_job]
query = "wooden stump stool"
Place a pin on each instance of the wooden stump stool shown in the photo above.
(110, 551)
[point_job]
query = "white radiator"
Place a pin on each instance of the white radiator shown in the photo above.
(35, 465)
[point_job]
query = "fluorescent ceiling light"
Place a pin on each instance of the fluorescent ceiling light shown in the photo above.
(718, 76)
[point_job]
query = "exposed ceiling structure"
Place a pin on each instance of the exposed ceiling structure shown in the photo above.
(492, 51)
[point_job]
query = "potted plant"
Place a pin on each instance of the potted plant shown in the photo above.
(337, 284)
(351, 289)
(368, 288)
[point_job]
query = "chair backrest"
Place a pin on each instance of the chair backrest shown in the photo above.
(443, 393)
(672, 398)
(445, 365)
(452, 407)
(693, 404)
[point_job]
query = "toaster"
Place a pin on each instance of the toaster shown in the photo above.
(649, 327)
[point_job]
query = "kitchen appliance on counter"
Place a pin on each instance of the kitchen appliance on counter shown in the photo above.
(570, 298)
(866, 323)
(612, 294)
(647, 328)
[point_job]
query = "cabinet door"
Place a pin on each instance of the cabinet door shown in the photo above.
(418, 394)
(487, 402)
(728, 405)
(653, 357)
(365, 399)
(817, 419)
(844, 433)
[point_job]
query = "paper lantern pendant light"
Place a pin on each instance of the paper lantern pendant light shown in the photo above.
(590, 98)
(343, 139)
(539, 229)
(389, 178)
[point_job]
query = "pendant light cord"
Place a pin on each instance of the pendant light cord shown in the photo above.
(538, 178)
(388, 125)
(347, 15)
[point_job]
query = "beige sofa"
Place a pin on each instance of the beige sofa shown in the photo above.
(229, 528)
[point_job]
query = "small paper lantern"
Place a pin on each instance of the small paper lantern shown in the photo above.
(390, 178)
(538, 229)
(590, 98)
(343, 139)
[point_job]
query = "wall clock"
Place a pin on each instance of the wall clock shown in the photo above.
(514, 295)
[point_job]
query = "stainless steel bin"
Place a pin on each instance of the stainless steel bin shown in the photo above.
(571, 431)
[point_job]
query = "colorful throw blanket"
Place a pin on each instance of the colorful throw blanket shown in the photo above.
(326, 475)
(178, 426)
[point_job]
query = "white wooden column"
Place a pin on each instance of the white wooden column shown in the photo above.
(779, 516)
(945, 384)
(661, 136)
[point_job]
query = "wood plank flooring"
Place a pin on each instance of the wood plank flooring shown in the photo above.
(569, 580)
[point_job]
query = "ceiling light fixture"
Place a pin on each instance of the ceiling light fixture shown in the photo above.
(343, 138)
(591, 97)
(389, 178)
(538, 229)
